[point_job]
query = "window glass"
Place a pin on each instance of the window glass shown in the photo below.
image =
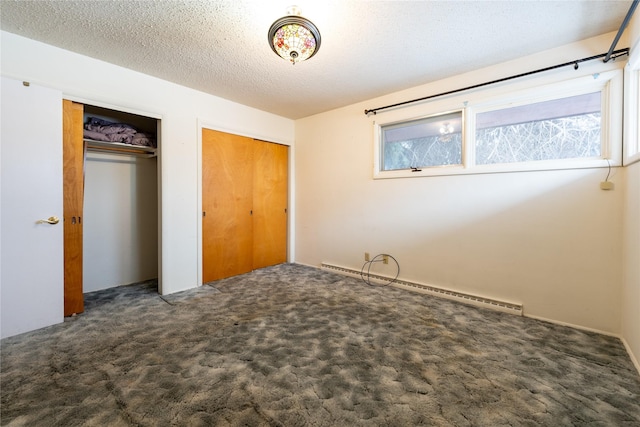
(431, 141)
(559, 129)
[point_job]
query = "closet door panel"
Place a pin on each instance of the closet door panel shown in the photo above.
(227, 180)
(73, 192)
(270, 197)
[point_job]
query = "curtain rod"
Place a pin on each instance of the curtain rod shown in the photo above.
(621, 29)
(616, 54)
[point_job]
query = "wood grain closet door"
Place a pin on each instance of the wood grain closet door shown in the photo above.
(227, 181)
(270, 197)
(73, 198)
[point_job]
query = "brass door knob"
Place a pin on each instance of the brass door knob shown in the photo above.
(50, 220)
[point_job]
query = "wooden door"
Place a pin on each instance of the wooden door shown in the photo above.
(270, 197)
(227, 181)
(73, 196)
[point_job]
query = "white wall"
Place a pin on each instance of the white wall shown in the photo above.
(99, 83)
(549, 240)
(631, 283)
(631, 279)
(120, 221)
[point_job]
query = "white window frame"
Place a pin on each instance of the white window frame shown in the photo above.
(379, 136)
(632, 115)
(609, 81)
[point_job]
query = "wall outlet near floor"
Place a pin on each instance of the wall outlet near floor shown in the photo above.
(367, 257)
(385, 259)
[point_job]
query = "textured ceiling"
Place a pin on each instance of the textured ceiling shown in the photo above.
(369, 48)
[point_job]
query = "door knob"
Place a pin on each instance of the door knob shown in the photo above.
(50, 220)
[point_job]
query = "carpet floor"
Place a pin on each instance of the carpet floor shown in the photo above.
(292, 345)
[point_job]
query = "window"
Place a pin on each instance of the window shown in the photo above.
(563, 128)
(432, 141)
(574, 123)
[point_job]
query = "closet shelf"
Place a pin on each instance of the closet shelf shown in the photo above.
(119, 148)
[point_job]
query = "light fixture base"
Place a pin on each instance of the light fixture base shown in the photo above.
(294, 10)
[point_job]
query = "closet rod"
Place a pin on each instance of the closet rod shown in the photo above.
(120, 149)
(621, 30)
(120, 153)
(617, 53)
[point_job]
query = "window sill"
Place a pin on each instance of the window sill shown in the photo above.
(499, 168)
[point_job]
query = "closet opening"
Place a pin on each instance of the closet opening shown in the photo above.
(119, 217)
(121, 204)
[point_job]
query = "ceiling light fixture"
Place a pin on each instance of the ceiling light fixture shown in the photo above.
(293, 37)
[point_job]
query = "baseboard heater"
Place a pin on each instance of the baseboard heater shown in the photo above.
(503, 306)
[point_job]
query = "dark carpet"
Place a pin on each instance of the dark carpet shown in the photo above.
(291, 345)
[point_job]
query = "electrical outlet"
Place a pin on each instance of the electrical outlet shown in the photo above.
(385, 259)
(367, 257)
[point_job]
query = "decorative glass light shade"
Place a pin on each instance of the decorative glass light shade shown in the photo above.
(293, 37)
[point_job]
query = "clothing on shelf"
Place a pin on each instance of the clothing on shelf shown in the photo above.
(104, 130)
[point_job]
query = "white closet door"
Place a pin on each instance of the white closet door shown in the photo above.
(31, 254)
